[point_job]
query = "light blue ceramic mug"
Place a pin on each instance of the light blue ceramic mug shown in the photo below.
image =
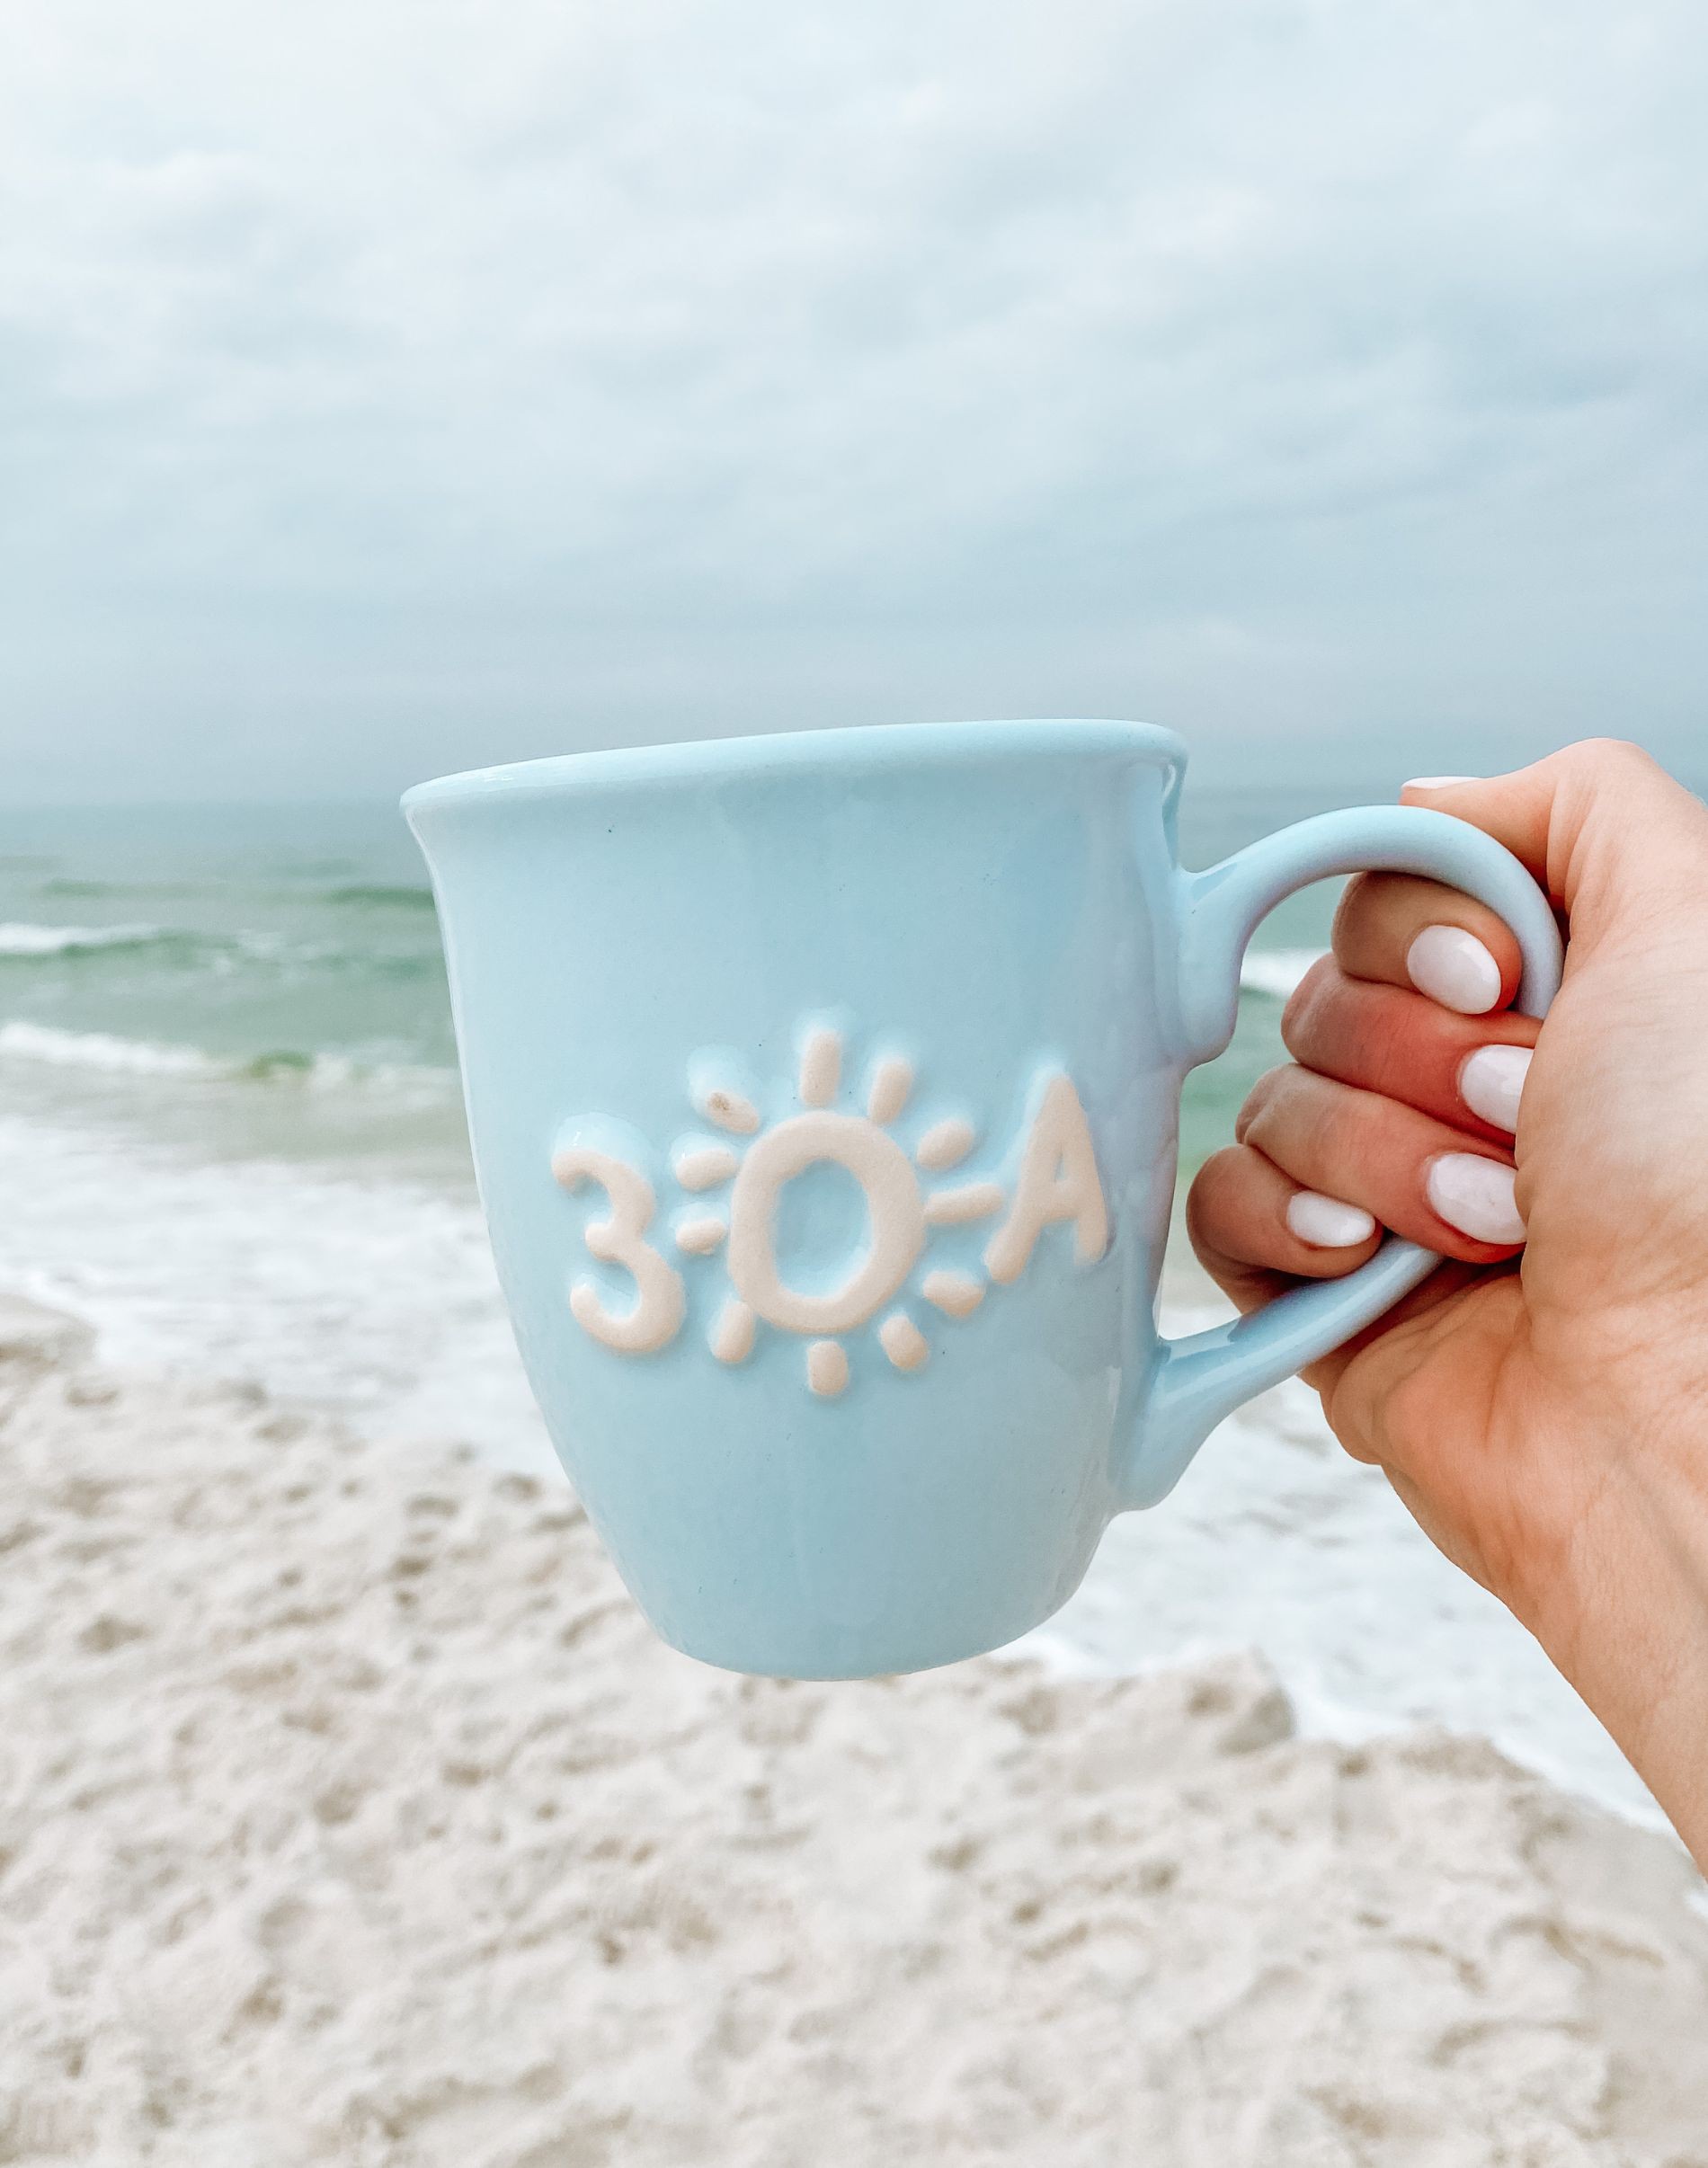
(825, 1093)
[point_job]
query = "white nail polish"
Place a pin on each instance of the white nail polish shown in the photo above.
(1453, 967)
(1437, 782)
(1491, 1083)
(1474, 1195)
(1325, 1223)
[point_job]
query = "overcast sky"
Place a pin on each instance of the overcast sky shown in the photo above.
(391, 385)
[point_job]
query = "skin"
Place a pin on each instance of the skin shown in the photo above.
(1542, 1412)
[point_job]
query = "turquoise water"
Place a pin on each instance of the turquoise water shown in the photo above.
(267, 980)
(261, 980)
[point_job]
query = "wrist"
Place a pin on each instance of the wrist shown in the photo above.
(1622, 1612)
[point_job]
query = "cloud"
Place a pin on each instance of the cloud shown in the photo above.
(388, 389)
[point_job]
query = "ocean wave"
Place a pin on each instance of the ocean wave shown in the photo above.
(105, 1051)
(380, 896)
(348, 895)
(1277, 972)
(101, 1049)
(24, 942)
(66, 887)
(22, 937)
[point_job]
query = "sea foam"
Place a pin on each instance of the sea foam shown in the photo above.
(21, 1041)
(21, 937)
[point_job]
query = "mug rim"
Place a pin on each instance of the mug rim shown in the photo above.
(883, 745)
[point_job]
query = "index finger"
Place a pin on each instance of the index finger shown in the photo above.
(1592, 825)
(1595, 824)
(1399, 930)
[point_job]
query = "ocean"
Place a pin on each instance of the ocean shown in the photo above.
(231, 1136)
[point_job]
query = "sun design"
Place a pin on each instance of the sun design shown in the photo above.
(900, 1213)
(1055, 1180)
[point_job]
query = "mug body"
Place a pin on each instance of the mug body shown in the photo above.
(824, 1093)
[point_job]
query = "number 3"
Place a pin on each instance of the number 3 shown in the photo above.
(657, 1314)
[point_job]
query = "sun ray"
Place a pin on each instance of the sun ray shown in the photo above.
(705, 1166)
(733, 1335)
(699, 1237)
(957, 1294)
(902, 1341)
(730, 1111)
(827, 1368)
(891, 1083)
(945, 1145)
(821, 1068)
(971, 1201)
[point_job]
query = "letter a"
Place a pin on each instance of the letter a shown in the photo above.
(1058, 1181)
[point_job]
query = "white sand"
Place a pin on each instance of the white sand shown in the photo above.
(348, 1815)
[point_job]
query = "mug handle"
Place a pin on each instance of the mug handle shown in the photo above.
(1202, 1379)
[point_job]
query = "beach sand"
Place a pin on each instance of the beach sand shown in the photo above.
(348, 1814)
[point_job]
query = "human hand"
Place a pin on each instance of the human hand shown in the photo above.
(1541, 1403)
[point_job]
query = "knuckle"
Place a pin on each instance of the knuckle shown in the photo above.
(1225, 1214)
(1302, 1018)
(1320, 1118)
(1210, 1199)
(1259, 1102)
(1604, 757)
(1361, 896)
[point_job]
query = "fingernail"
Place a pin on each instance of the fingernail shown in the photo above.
(1491, 1083)
(1437, 782)
(1454, 967)
(1475, 1195)
(1325, 1223)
